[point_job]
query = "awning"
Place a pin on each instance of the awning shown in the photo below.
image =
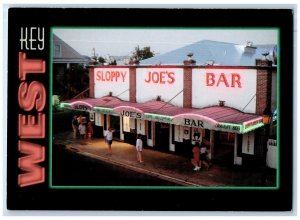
(213, 118)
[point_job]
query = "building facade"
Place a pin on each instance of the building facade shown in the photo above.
(173, 106)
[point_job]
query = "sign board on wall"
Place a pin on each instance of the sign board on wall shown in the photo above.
(115, 80)
(197, 135)
(193, 120)
(178, 133)
(128, 111)
(248, 143)
(203, 122)
(92, 116)
(81, 106)
(98, 119)
(126, 124)
(140, 126)
(237, 87)
(163, 82)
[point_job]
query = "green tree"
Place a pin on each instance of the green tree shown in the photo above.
(114, 62)
(101, 60)
(141, 54)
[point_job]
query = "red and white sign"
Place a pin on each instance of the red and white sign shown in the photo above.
(129, 111)
(163, 82)
(81, 106)
(237, 87)
(248, 143)
(193, 120)
(115, 80)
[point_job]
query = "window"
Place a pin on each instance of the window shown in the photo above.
(149, 129)
(57, 50)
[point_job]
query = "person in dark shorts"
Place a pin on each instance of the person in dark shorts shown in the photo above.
(109, 139)
(203, 156)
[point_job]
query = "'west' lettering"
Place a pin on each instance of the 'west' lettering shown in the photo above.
(34, 174)
(31, 97)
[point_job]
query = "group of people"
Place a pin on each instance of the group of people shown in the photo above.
(80, 128)
(200, 152)
(200, 157)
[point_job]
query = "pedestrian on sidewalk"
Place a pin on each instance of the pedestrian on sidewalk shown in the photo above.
(109, 138)
(90, 130)
(82, 130)
(79, 119)
(75, 126)
(196, 160)
(203, 156)
(139, 148)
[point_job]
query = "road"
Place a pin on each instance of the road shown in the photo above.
(73, 169)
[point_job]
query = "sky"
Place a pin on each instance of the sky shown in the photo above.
(121, 42)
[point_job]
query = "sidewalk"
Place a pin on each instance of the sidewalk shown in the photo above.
(164, 165)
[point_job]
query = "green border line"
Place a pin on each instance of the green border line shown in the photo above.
(164, 187)
(278, 143)
(50, 108)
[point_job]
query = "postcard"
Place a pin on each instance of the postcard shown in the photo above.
(150, 109)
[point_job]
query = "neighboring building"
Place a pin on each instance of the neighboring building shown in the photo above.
(215, 53)
(64, 57)
(177, 103)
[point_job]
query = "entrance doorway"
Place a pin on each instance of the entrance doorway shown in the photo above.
(224, 148)
(114, 122)
(162, 136)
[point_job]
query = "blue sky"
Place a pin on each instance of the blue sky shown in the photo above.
(120, 42)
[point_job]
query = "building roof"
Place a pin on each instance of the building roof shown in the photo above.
(64, 53)
(220, 53)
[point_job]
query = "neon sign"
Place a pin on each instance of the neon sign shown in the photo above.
(103, 110)
(253, 122)
(111, 76)
(251, 128)
(158, 118)
(161, 77)
(214, 79)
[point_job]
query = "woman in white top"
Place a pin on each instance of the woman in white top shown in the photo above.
(139, 148)
(82, 130)
(109, 138)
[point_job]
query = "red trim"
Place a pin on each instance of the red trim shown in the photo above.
(186, 66)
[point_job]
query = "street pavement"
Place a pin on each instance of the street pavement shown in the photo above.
(167, 166)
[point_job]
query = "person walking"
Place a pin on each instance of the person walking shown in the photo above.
(139, 148)
(90, 130)
(203, 156)
(196, 160)
(79, 119)
(109, 138)
(75, 126)
(82, 130)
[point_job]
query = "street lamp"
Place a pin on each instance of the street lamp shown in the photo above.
(267, 117)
